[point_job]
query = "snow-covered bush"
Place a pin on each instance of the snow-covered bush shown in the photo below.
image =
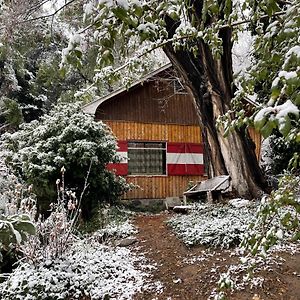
(213, 225)
(17, 211)
(115, 230)
(15, 196)
(277, 217)
(278, 153)
(88, 269)
(66, 137)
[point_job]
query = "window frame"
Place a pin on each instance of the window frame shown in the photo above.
(164, 159)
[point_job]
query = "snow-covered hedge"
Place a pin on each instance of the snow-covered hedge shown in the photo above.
(213, 225)
(68, 138)
(115, 230)
(88, 269)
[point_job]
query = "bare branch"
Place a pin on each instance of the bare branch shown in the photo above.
(49, 15)
(36, 7)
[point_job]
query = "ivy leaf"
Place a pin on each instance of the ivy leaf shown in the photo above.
(267, 129)
(120, 13)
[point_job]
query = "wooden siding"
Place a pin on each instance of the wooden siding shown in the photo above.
(159, 187)
(155, 132)
(153, 102)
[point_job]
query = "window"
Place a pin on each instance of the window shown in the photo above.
(146, 158)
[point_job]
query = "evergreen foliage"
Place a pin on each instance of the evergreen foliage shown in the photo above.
(280, 155)
(68, 138)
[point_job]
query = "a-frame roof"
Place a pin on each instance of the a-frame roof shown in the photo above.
(91, 108)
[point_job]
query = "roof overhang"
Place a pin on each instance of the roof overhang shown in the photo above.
(91, 108)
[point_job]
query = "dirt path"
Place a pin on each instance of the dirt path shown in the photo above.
(188, 280)
(161, 246)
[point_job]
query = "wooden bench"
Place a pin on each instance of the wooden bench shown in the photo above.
(213, 187)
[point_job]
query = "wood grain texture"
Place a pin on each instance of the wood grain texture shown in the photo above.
(257, 139)
(159, 187)
(153, 102)
(155, 132)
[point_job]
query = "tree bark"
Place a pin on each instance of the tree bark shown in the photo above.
(210, 81)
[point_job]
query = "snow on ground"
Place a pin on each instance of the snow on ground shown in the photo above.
(223, 226)
(92, 270)
(240, 275)
(214, 225)
(115, 230)
(89, 268)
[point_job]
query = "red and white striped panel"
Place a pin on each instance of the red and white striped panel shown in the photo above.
(181, 159)
(185, 159)
(120, 168)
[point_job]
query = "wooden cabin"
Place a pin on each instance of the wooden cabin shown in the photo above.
(158, 133)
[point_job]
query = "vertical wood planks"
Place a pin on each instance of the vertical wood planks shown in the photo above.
(155, 132)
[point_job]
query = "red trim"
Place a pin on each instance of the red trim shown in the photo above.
(175, 148)
(193, 148)
(172, 169)
(183, 169)
(122, 146)
(184, 148)
(176, 169)
(194, 169)
(119, 169)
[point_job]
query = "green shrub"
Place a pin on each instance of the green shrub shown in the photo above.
(68, 138)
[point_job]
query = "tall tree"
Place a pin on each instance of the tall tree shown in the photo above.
(198, 36)
(30, 55)
(193, 35)
(209, 76)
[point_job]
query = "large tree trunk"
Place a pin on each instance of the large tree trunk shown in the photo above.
(210, 81)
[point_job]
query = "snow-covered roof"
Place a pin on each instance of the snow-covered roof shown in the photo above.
(92, 107)
(218, 183)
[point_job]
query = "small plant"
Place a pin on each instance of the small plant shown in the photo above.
(277, 218)
(55, 234)
(224, 285)
(17, 215)
(14, 230)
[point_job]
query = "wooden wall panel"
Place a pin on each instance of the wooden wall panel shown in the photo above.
(155, 132)
(159, 187)
(154, 102)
